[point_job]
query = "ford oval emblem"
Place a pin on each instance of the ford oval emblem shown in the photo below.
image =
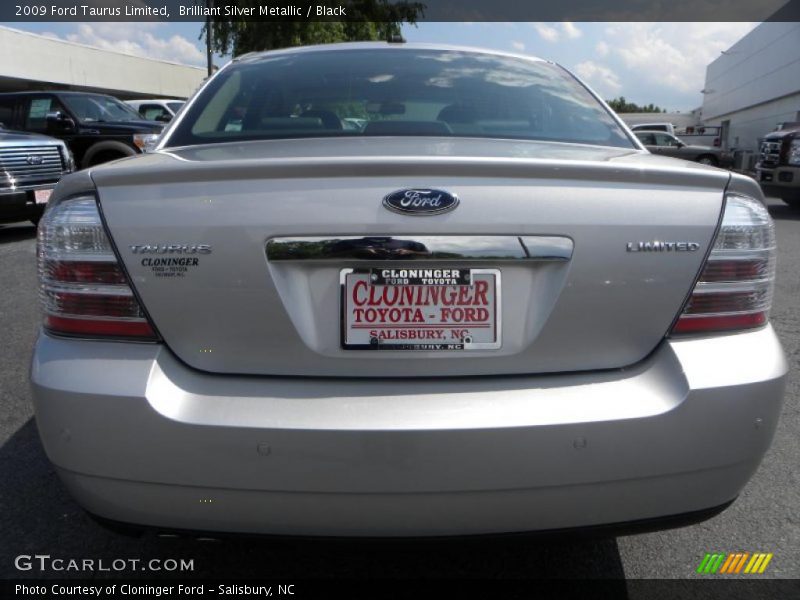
(420, 201)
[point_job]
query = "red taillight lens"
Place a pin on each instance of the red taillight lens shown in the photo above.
(736, 270)
(83, 289)
(720, 323)
(734, 290)
(76, 271)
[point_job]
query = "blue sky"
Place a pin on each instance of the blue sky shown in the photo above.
(662, 63)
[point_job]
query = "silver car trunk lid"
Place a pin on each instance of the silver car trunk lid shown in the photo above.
(229, 308)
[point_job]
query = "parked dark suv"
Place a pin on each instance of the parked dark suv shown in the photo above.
(30, 167)
(778, 167)
(96, 127)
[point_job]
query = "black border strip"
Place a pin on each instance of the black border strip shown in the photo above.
(293, 11)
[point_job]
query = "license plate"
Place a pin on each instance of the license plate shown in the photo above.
(42, 196)
(431, 309)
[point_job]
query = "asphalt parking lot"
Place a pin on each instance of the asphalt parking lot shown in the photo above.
(38, 517)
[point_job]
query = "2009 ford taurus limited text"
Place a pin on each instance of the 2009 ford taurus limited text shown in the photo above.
(404, 290)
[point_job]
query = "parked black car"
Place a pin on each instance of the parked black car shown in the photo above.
(30, 167)
(665, 144)
(96, 127)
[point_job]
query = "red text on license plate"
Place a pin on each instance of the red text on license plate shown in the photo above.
(462, 314)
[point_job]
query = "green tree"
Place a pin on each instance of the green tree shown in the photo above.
(620, 105)
(367, 20)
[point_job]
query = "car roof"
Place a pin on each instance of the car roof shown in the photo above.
(379, 46)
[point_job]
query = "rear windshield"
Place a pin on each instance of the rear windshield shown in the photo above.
(396, 92)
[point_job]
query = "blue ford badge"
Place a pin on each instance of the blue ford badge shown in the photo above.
(421, 202)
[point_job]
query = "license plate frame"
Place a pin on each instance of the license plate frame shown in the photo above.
(472, 275)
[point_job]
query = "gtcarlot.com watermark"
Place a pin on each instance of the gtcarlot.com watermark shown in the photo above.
(38, 563)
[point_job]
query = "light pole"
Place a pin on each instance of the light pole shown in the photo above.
(209, 63)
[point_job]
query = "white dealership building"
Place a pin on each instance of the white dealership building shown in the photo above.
(754, 86)
(34, 62)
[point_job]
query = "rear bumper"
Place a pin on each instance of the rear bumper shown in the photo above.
(19, 204)
(139, 437)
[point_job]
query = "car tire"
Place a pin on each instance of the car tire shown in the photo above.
(707, 159)
(106, 151)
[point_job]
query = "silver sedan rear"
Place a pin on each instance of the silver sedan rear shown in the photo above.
(382, 290)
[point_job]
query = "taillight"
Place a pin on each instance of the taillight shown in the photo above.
(734, 290)
(84, 291)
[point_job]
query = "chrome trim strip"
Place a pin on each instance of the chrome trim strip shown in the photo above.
(540, 247)
(27, 188)
(425, 247)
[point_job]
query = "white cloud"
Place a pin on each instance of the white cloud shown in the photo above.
(570, 30)
(546, 32)
(139, 39)
(550, 32)
(600, 77)
(602, 48)
(672, 55)
(518, 46)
